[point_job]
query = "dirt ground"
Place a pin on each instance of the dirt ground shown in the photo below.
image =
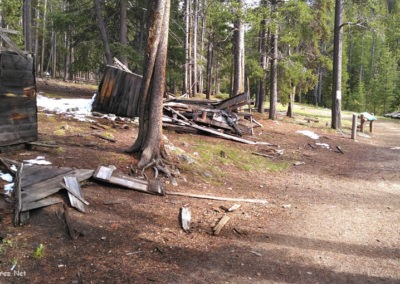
(333, 219)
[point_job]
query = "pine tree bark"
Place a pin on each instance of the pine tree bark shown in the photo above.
(194, 45)
(27, 24)
(337, 66)
(103, 33)
(238, 68)
(123, 35)
(209, 66)
(274, 77)
(186, 84)
(264, 65)
(149, 141)
(43, 38)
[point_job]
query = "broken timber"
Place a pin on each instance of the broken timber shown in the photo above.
(106, 174)
(186, 217)
(217, 229)
(71, 184)
(187, 122)
(261, 201)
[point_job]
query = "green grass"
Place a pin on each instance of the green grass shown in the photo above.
(39, 251)
(215, 159)
(4, 245)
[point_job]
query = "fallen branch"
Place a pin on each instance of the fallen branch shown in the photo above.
(250, 200)
(262, 155)
(104, 137)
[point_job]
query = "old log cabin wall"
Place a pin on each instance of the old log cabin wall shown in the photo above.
(118, 93)
(18, 109)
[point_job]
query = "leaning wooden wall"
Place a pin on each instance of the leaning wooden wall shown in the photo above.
(118, 93)
(18, 109)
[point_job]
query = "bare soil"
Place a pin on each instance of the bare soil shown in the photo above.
(333, 219)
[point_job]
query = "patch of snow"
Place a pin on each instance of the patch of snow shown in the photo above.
(75, 108)
(40, 160)
(6, 177)
(8, 188)
(395, 148)
(308, 133)
(323, 145)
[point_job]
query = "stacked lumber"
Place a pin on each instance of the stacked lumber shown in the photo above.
(395, 114)
(220, 118)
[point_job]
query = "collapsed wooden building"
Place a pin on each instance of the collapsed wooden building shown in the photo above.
(118, 92)
(18, 108)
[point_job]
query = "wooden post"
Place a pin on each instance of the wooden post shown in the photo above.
(371, 126)
(362, 120)
(354, 127)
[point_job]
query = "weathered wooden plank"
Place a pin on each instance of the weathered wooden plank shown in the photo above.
(234, 102)
(48, 187)
(217, 229)
(34, 174)
(106, 174)
(17, 194)
(201, 196)
(51, 200)
(75, 195)
(185, 217)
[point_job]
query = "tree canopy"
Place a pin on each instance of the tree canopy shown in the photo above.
(68, 44)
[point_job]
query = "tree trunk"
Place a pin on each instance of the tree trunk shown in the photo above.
(123, 35)
(263, 63)
(337, 66)
(202, 40)
(238, 73)
(209, 66)
(36, 45)
(149, 143)
(43, 38)
(291, 102)
(274, 77)
(103, 33)
(54, 53)
(194, 45)
(27, 24)
(187, 52)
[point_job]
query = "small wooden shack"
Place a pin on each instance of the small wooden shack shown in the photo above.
(118, 92)
(18, 109)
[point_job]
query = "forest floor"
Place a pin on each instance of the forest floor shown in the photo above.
(331, 218)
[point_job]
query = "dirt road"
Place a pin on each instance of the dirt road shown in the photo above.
(333, 219)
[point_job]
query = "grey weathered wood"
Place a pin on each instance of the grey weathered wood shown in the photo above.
(17, 194)
(48, 187)
(217, 229)
(9, 31)
(103, 173)
(35, 174)
(185, 217)
(104, 137)
(75, 195)
(354, 127)
(30, 144)
(106, 174)
(201, 196)
(262, 155)
(41, 203)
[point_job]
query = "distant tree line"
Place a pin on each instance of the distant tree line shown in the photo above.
(277, 50)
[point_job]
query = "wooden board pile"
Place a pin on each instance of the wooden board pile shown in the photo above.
(40, 186)
(395, 114)
(213, 117)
